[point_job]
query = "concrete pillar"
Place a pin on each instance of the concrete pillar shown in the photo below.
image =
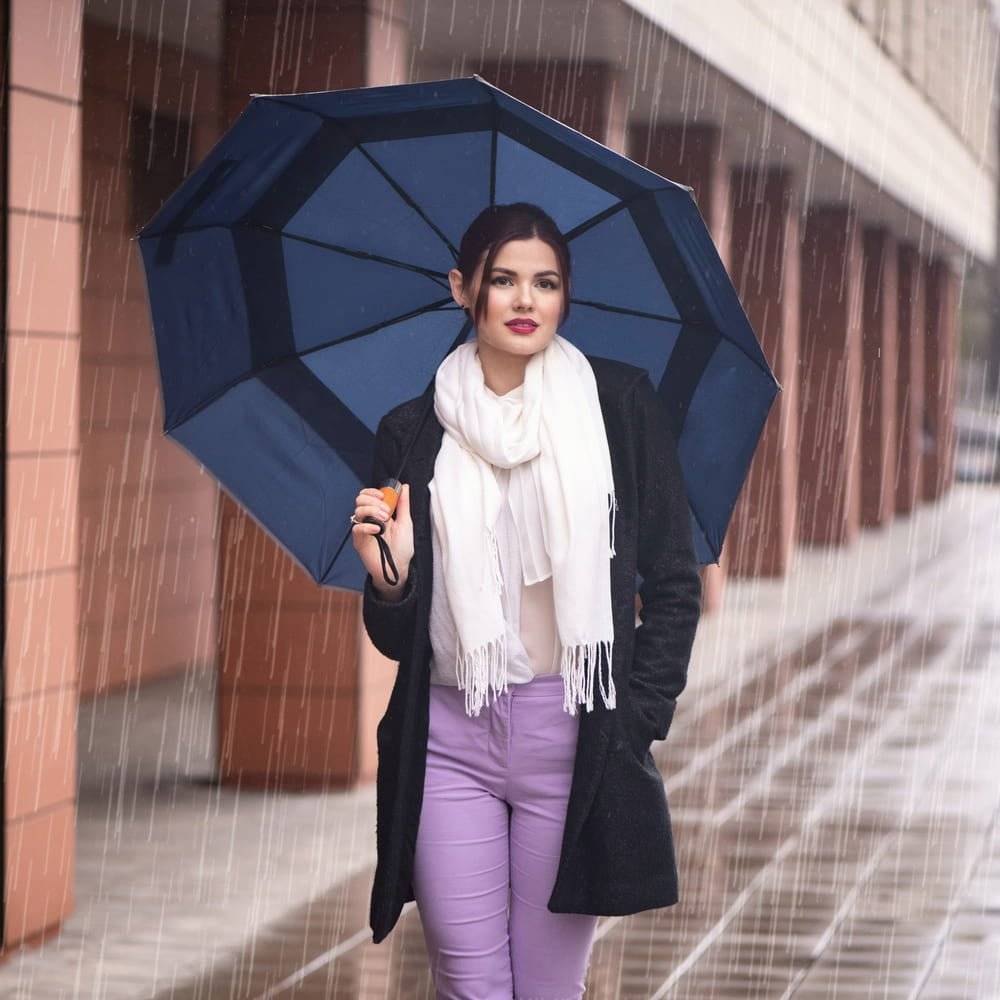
(587, 95)
(910, 379)
(693, 154)
(880, 357)
(941, 345)
(766, 269)
(301, 687)
(690, 154)
(41, 248)
(829, 486)
(136, 92)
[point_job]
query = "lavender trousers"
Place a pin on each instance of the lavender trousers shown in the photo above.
(488, 844)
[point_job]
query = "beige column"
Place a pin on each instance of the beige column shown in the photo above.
(941, 347)
(588, 95)
(829, 424)
(136, 92)
(880, 357)
(766, 269)
(41, 254)
(910, 378)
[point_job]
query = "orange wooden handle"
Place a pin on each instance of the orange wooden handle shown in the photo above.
(390, 496)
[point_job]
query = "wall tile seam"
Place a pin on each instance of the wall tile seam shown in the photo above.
(168, 612)
(42, 692)
(47, 95)
(22, 818)
(45, 453)
(41, 573)
(28, 333)
(41, 213)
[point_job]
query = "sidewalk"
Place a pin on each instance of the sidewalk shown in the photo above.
(830, 776)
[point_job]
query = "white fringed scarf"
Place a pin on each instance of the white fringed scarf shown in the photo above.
(561, 492)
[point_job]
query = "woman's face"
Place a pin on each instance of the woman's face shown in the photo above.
(525, 284)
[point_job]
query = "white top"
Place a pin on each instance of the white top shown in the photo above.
(529, 610)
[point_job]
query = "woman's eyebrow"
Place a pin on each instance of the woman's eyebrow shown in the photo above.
(538, 274)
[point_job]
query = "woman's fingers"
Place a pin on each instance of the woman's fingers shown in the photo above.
(370, 496)
(371, 505)
(371, 502)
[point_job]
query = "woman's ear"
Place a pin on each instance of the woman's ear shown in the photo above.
(457, 290)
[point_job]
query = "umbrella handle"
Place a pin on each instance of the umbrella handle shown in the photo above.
(390, 491)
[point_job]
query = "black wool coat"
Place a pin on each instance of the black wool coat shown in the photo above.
(617, 854)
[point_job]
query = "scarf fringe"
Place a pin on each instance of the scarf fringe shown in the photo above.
(578, 675)
(484, 669)
(481, 670)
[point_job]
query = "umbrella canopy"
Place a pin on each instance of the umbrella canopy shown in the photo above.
(298, 290)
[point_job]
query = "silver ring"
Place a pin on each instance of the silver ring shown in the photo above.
(354, 519)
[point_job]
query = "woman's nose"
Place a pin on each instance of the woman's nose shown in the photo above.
(523, 297)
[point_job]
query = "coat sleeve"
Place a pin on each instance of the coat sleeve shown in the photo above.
(389, 624)
(671, 585)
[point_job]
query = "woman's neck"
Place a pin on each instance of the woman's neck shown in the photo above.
(501, 371)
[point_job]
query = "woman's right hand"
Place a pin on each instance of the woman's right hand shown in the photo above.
(397, 532)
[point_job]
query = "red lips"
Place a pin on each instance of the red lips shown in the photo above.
(521, 326)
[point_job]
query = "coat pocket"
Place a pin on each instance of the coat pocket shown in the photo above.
(636, 733)
(386, 734)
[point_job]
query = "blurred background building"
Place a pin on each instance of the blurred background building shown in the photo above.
(844, 155)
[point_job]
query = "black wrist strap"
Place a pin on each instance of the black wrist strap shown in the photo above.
(386, 556)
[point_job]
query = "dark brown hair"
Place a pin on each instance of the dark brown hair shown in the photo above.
(491, 229)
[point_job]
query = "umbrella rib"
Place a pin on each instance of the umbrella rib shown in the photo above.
(366, 331)
(391, 181)
(494, 133)
(634, 312)
(493, 157)
(614, 209)
(439, 276)
(441, 305)
(699, 327)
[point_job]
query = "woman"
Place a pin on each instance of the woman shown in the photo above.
(548, 478)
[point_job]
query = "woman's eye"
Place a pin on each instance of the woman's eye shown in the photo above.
(545, 281)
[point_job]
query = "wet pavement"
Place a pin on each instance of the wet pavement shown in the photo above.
(833, 775)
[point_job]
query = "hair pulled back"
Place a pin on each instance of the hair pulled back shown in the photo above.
(491, 229)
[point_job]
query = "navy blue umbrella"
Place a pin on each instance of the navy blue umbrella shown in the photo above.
(298, 290)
